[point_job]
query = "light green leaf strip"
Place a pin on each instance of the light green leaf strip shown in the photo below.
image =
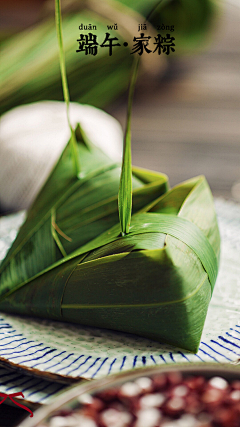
(58, 19)
(125, 189)
(55, 235)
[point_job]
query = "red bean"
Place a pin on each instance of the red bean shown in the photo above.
(165, 400)
(160, 381)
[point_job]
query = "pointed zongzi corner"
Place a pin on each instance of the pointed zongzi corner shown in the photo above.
(155, 282)
(70, 211)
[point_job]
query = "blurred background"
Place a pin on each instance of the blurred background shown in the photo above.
(186, 106)
(188, 123)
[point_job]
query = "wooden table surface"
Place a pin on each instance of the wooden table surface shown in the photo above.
(188, 124)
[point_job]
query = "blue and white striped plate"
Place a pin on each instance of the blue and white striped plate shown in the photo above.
(59, 351)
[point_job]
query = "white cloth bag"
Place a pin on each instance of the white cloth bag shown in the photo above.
(33, 136)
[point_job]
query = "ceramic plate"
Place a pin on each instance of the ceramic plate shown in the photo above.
(61, 352)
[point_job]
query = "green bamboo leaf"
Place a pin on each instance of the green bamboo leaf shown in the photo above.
(30, 64)
(58, 19)
(70, 210)
(79, 209)
(172, 251)
(125, 189)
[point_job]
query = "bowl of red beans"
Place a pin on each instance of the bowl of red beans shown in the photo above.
(206, 395)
